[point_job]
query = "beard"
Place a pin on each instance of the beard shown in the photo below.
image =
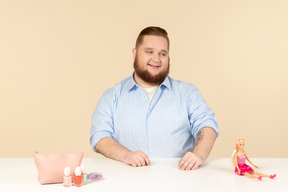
(147, 77)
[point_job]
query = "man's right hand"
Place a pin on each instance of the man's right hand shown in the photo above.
(112, 149)
(136, 159)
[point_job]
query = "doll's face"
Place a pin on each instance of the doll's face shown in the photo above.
(241, 145)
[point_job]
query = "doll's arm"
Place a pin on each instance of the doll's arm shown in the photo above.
(250, 161)
(236, 163)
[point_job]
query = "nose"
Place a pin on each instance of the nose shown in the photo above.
(156, 58)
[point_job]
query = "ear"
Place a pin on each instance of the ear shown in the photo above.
(134, 53)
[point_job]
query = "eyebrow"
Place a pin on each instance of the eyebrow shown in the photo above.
(162, 50)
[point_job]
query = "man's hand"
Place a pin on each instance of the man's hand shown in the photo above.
(136, 159)
(190, 161)
(203, 145)
(112, 149)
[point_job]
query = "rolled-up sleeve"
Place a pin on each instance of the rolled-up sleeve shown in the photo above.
(200, 115)
(102, 119)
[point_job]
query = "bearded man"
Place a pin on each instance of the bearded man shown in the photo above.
(151, 115)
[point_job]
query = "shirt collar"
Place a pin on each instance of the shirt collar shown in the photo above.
(133, 85)
(166, 83)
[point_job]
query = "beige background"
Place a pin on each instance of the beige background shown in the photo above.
(58, 57)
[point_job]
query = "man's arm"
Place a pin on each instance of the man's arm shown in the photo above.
(203, 146)
(112, 149)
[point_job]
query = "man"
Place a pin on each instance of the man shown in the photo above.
(150, 115)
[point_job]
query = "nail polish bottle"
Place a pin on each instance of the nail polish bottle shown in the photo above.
(67, 179)
(77, 177)
(83, 174)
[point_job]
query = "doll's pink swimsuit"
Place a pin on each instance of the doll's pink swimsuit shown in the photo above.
(242, 165)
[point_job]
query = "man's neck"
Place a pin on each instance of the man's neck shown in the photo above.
(142, 83)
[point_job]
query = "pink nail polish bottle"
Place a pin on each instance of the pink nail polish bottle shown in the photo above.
(67, 179)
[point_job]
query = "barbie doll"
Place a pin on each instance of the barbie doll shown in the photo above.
(241, 168)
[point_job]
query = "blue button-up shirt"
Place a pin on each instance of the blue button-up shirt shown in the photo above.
(165, 127)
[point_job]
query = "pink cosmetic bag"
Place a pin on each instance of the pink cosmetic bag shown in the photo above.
(51, 167)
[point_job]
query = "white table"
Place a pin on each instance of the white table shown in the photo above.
(20, 174)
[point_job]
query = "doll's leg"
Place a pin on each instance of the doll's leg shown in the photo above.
(261, 174)
(253, 176)
(264, 175)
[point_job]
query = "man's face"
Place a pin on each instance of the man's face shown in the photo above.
(151, 59)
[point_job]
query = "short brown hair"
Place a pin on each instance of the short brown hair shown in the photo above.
(157, 31)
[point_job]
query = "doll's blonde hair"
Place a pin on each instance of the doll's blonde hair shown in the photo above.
(236, 150)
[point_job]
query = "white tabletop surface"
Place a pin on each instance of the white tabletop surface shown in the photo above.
(20, 174)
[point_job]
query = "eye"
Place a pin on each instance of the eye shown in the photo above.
(149, 52)
(163, 54)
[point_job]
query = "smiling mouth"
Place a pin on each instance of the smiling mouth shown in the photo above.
(154, 66)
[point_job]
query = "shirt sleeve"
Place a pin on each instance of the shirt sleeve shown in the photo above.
(102, 119)
(200, 115)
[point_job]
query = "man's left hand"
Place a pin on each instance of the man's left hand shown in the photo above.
(190, 161)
